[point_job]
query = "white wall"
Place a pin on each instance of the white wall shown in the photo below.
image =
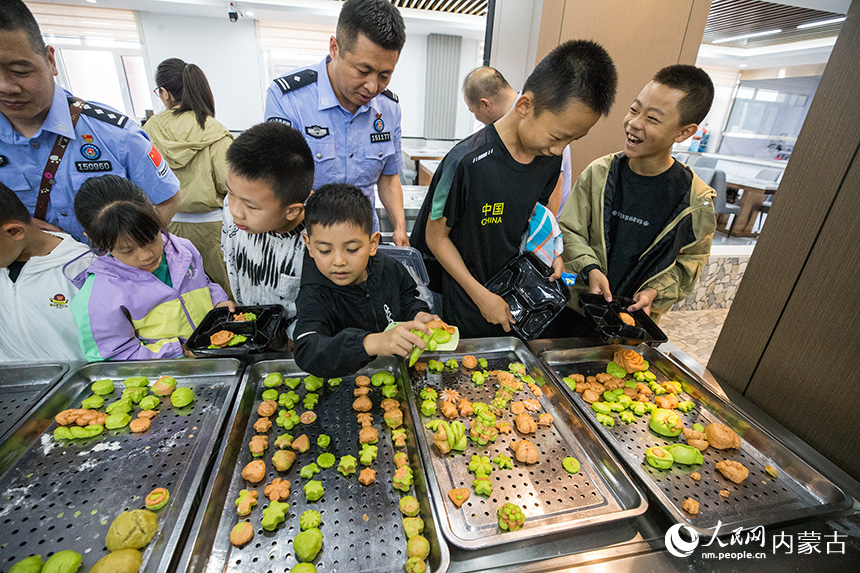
(468, 62)
(516, 29)
(408, 83)
(227, 53)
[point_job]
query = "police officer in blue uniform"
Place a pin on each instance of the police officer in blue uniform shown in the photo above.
(51, 142)
(350, 121)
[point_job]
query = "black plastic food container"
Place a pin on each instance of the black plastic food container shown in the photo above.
(612, 330)
(534, 300)
(264, 334)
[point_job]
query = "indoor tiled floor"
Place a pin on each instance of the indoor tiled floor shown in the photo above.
(695, 331)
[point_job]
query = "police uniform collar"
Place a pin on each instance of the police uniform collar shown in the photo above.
(59, 120)
(327, 99)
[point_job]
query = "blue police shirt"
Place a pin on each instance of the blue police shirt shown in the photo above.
(103, 141)
(347, 148)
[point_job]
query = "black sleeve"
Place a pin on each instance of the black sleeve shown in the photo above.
(409, 301)
(320, 348)
(553, 181)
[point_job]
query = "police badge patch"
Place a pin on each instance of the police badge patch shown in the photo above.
(316, 131)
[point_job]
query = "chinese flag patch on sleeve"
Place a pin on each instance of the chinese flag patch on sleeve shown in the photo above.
(155, 156)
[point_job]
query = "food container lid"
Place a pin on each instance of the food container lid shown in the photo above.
(605, 316)
(410, 258)
(260, 332)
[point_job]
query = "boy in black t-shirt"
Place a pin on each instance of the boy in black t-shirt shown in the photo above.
(484, 191)
(638, 223)
(350, 293)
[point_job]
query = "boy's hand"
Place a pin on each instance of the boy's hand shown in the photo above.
(599, 284)
(228, 303)
(425, 317)
(495, 310)
(643, 299)
(395, 342)
(557, 269)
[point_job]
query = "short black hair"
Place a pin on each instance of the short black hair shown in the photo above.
(338, 203)
(696, 84)
(110, 206)
(379, 20)
(11, 207)
(278, 155)
(577, 70)
(484, 82)
(15, 16)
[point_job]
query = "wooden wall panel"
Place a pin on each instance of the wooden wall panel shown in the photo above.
(642, 36)
(824, 150)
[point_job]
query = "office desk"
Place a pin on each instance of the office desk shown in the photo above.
(754, 192)
(426, 171)
(420, 155)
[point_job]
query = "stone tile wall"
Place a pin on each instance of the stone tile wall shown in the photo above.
(717, 284)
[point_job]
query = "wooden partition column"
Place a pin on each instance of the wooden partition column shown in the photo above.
(789, 343)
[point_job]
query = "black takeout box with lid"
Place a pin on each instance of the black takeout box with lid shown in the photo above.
(264, 334)
(524, 284)
(612, 330)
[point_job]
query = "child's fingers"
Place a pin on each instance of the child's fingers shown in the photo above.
(416, 325)
(413, 340)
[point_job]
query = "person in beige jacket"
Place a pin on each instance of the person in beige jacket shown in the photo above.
(195, 146)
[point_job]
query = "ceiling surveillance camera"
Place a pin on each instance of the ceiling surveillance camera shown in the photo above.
(232, 12)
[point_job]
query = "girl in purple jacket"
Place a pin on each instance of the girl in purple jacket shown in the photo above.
(148, 292)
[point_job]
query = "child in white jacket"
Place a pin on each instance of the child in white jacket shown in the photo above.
(35, 287)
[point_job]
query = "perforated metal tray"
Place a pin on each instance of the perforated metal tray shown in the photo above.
(798, 491)
(351, 543)
(21, 386)
(64, 495)
(552, 499)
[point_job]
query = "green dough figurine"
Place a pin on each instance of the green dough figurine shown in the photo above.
(428, 393)
(614, 369)
(627, 417)
(399, 438)
(292, 383)
(389, 391)
(665, 423)
(382, 378)
(304, 568)
(136, 382)
(63, 433)
(511, 517)
(570, 465)
(605, 420)
(182, 397)
(314, 490)
(649, 406)
(334, 382)
(311, 400)
(367, 455)
(309, 471)
(310, 519)
(478, 378)
(122, 561)
(131, 530)
(150, 403)
(283, 460)
(659, 458)
(103, 387)
(94, 402)
(164, 386)
(610, 396)
(288, 400)
(402, 478)
(409, 506)
(413, 526)
(307, 544)
(287, 419)
(684, 454)
(624, 400)
(638, 408)
(482, 363)
(435, 367)
(90, 431)
(274, 514)
(244, 503)
(313, 383)
(517, 368)
(283, 441)
(428, 408)
(32, 564)
(323, 441)
(135, 394)
(118, 420)
(504, 462)
(480, 465)
(601, 408)
(418, 546)
(570, 383)
(482, 485)
(325, 460)
(698, 428)
(617, 407)
(452, 364)
(347, 465)
(526, 379)
(270, 394)
(686, 406)
(415, 565)
(273, 380)
(67, 561)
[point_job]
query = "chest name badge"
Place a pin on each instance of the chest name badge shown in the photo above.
(316, 131)
(93, 166)
(380, 137)
(90, 151)
(59, 300)
(3, 161)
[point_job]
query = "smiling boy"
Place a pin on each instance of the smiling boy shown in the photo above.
(350, 293)
(269, 175)
(656, 236)
(481, 197)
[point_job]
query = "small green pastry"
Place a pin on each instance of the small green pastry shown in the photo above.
(117, 420)
(283, 460)
(334, 382)
(415, 565)
(164, 386)
(428, 393)
(313, 383)
(304, 568)
(389, 391)
(684, 454)
(428, 408)
(326, 460)
(570, 465)
(311, 400)
(650, 376)
(650, 406)
(511, 517)
(181, 397)
(605, 420)
(665, 423)
(482, 363)
(288, 400)
(617, 407)
(482, 485)
(103, 387)
(310, 519)
(309, 471)
(504, 462)
(418, 546)
(639, 376)
(307, 544)
(602, 408)
(94, 402)
(569, 382)
(270, 394)
(283, 441)
(149, 403)
(480, 465)
(656, 388)
(399, 438)
(367, 455)
(323, 441)
(273, 380)
(347, 465)
(630, 383)
(314, 490)
(90, 431)
(292, 383)
(135, 394)
(526, 379)
(122, 561)
(245, 500)
(478, 378)
(382, 378)
(287, 419)
(610, 396)
(63, 433)
(638, 408)
(698, 428)
(66, 561)
(413, 526)
(686, 406)
(136, 382)
(517, 368)
(627, 417)
(409, 506)
(659, 458)
(452, 364)
(624, 400)
(614, 369)
(32, 564)
(402, 478)
(274, 514)
(435, 367)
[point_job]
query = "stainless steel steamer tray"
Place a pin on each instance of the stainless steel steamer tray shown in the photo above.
(351, 543)
(65, 495)
(552, 500)
(21, 386)
(798, 491)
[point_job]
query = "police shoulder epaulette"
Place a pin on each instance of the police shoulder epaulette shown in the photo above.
(391, 95)
(102, 114)
(297, 80)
